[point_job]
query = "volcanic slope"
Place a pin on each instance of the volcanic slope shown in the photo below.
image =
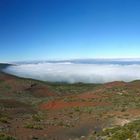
(31, 109)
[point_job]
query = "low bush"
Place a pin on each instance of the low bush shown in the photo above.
(6, 137)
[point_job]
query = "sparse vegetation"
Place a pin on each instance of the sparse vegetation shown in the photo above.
(4, 118)
(70, 108)
(129, 131)
(64, 88)
(34, 126)
(6, 137)
(37, 117)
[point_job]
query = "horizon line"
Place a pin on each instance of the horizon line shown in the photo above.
(74, 59)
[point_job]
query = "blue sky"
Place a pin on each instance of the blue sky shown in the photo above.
(66, 29)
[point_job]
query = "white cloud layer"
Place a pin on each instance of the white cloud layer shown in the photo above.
(69, 72)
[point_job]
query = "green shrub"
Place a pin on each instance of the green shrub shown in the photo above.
(37, 117)
(6, 137)
(4, 119)
(130, 131)
(33, 126)
(122, 135)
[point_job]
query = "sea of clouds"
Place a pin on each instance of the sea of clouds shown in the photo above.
(76, 72)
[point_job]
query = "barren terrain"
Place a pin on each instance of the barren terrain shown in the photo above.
(35, 110)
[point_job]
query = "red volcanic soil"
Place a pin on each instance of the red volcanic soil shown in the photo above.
(115, 84)
(76, 101)
(57, 123)
(40, 91)
(90, 95)
(17, 85)
(6, 77)
(11, 103)
(61, 104)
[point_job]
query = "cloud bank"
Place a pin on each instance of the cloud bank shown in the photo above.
(72, 73)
